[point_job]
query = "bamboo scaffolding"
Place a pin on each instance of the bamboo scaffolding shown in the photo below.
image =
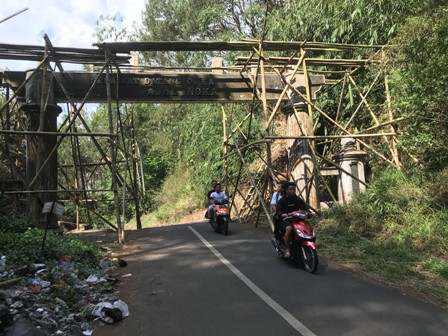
(106, 54)
(373, 116)
(243, 161)
(342, 128)
(324, 137)
(64, 134)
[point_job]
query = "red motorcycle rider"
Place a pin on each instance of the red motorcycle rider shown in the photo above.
(288, 203)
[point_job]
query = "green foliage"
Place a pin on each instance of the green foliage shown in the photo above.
(156, 167)
(419, 73)
(177, 197)
(21, 242)
(393, 221)
(16, 225)
(358, 21)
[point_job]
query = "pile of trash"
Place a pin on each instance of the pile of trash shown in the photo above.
(42, 299)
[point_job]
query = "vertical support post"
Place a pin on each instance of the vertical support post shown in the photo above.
(393, 141)
(224, 128)
(269, 167)
(134, 173)
(263, 85)
(307, 84)
(113, 154)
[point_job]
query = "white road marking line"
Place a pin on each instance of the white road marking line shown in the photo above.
(296, 324)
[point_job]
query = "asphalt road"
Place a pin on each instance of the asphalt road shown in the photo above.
(189, 281)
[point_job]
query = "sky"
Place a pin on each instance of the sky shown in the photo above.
(68, 23)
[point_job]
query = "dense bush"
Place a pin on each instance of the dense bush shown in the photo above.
(397, 216)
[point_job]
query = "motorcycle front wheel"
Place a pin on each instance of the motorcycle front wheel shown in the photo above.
(310, 259)
(225, 226)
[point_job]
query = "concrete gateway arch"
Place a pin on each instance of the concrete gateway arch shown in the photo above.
(288, 84)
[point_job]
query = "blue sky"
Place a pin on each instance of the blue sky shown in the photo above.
(68, 23)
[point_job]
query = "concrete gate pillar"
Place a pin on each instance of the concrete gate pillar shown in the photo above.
(351, 160)
(299, 122)
(39, 147)
(300, 152)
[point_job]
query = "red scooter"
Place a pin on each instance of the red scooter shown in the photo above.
(303, 241)
(221, 221)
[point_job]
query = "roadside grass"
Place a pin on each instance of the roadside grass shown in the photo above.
(396, 232)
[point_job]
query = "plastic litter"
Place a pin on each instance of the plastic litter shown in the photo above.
(111, 313)
(92, 279)
(84, 326)
(123, 307)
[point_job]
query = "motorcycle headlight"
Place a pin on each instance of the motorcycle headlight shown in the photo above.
(305, 236)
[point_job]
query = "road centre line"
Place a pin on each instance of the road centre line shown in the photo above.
(296, 324)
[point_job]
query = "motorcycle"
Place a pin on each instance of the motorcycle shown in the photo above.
(221, 221)
(303, 241)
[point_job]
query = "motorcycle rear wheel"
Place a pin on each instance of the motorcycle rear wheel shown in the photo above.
(311, 262)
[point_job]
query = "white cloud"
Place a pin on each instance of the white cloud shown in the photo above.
(68, 23)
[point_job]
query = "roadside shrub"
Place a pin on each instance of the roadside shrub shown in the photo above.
(25, 248)
(16, 225)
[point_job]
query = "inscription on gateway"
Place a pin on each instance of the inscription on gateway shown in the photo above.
(168, 86)
(163, 87)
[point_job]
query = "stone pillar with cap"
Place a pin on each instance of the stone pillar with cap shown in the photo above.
(351, 160)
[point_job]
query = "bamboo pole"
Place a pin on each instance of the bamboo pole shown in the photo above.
(75, 161)
(263, 82)
(263, 192)
(83, 181)
(338, 112)
(56, 191)
(325, 137)
(113, 152)
(341, 169)
(383, 124)
(393, 142)
(134, 172)
(224, 136)
(75, 134)
(254, 184)
(269, 168)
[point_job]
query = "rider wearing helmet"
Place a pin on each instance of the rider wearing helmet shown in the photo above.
(216, 197)
(288, 203)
